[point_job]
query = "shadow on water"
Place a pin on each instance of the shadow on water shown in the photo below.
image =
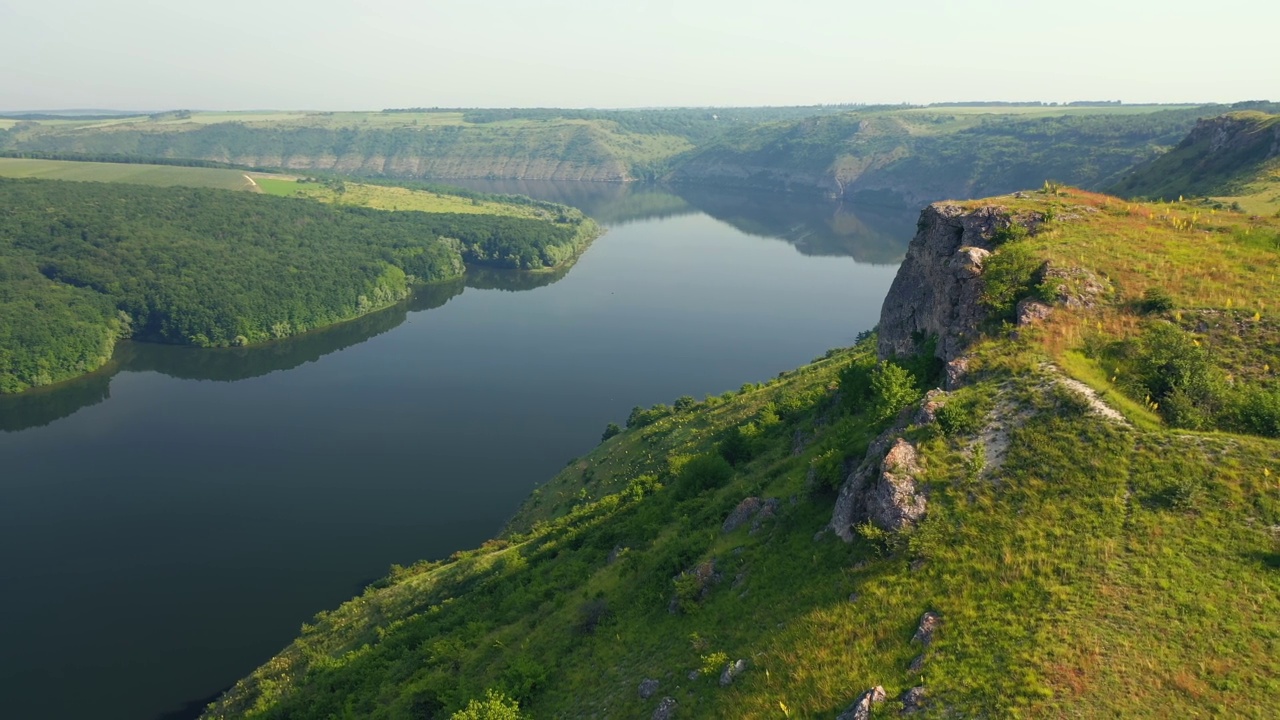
(43, 406)
(191, 710)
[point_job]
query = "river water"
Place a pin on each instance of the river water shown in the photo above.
(168, 523)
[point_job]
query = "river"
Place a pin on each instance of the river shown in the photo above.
(169, 522)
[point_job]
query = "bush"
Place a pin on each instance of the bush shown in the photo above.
(740, 444)
(701, 473)
(892, 388)
(960, 416)
(1257, 410)
(1008, 276)
(1156, 300)
(495, 706)
(640, 417)
(610, 430)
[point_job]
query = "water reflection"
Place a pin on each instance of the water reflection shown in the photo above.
(44, 406)
(876, 234)
(869, 234)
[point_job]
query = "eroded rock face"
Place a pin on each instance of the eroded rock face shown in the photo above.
(883, 489)
(936, 290)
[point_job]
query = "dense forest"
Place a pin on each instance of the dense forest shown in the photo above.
(84, 264)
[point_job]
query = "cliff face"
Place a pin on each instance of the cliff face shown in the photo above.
(936, 291)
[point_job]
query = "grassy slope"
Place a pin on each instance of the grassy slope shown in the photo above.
(1239, 173)
(1080, 578)
(134, 174)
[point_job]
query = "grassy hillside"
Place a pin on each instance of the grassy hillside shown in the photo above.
(1080, 562)
(1234, 159)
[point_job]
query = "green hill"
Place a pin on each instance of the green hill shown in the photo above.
(85, 263)
(1082, 524)
(1234, 158)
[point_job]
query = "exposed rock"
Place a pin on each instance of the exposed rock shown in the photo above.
(768, 512)
(747, 508)
(853, 597)
(955, 372)
(704, 577)
(883, 489)
(861, 708)
(752, 507)
(694, 674)
(1076, 287)
(917, 665)
(928, 412)
(648, 687)
(666, 709)
(913, 700)
(732, 671)
(1030, 312)
(799, 441)
(936, 291)
(614, 554)
(928, 626)
(894, 502)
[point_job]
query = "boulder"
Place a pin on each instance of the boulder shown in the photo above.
(928, 412)
(648, 687)
(928, 626)
(732, 671)
(861, 708)
(913, 700)
(894, 501)
(742, 513)
(954, 373)
(1030, 312)
(666, 709)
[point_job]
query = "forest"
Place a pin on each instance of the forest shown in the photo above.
(85, 264)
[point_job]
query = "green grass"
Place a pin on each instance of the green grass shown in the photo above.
(1101, 570)
(137, 174)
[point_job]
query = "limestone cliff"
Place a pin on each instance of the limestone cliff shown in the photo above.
(937, 288)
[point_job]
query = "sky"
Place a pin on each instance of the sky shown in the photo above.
(373, 54)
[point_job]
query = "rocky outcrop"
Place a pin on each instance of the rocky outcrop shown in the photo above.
(913, 700)
(883, 489)
(926, 629)
(666, 709)
(861, 708)
(751, 508)
(648, 687)
(936, 290)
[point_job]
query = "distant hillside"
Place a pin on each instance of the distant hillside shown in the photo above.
(921, 155)
(1233, 157)
(891, 154)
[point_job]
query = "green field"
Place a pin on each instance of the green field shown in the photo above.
(132, 173)
(385, 197)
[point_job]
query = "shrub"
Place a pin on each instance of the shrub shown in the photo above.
(640, 417)
(1257, 410)
(701, 473)
(610, 430)
(685, 403)
(960, 416)
(1012, 232)
(740, 444)
(495, 706)
(1008, 276)
(1156, 300)
(892, 388)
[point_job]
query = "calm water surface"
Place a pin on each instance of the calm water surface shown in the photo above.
(167, 524)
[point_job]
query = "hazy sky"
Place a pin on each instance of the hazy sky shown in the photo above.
(371, 54)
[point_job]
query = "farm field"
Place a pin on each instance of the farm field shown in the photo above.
(132, 173)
